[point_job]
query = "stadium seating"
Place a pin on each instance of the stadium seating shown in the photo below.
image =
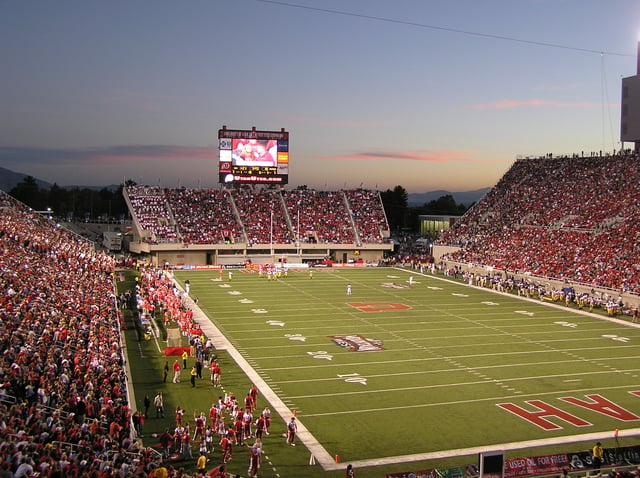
(63, 398)
(571, 218)
(258, 216)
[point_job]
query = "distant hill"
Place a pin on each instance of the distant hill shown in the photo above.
(10, 179)
(465, 197)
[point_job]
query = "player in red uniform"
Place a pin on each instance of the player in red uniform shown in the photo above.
(227, 449)
(253, 392)
(248, 403)
(239, 427)
(260, 425)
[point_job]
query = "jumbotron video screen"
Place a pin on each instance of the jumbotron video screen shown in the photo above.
(253, 157)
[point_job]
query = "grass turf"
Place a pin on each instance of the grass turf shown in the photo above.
(449, 355)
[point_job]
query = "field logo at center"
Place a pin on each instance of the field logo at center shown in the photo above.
(378, 306)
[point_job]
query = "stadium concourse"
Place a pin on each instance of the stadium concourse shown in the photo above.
(572, 219)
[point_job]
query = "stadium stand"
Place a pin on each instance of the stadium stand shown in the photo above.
(257, 216)
(63, 399)
(150, 212)
(368, 216)
(204, 216)
(263, 216)
(323, 215)
(571, 218)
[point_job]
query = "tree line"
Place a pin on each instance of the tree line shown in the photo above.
(87, 204)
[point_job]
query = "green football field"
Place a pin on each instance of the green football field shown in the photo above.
(411, 368)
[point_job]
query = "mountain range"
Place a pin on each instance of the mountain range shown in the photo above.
(10, 179)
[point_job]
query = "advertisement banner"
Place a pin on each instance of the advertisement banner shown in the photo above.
(536, 465)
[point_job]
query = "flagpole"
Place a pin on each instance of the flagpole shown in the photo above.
(271, 234)
(298, 234)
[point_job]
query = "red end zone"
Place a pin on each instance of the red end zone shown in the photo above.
(378, 306)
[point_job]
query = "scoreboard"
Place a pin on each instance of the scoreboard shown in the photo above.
(253, 157)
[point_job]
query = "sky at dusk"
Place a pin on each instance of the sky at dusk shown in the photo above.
(427, 94)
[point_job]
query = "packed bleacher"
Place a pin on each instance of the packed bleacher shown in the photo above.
(204, 216)
(263, 216)
(323, 216)
(152, 212)
(572, 218)
(64, 408)
(258, 216)
(368, 217)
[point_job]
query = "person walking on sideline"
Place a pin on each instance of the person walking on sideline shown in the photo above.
(350, 471)
(147, 404)
(266, 414)
(165, 442)
(292, 428)
(166, 371)
(194, 374)
(201, 463)
(158, 402)
(176, 371)
(255, 455)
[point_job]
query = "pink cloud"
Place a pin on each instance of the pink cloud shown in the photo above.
(445, 156)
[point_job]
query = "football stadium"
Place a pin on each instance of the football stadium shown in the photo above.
(259, 330)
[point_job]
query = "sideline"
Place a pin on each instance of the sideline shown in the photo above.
(220, 342)
(523, 298)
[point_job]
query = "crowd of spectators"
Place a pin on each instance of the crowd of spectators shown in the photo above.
(259, 216)
(204, 216)
(156, 291)
(263, 215)
(151, 212)
(368, 214)
(321, 216)
(571, 218)
(64, 408)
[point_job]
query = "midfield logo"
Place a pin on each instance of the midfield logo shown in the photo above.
(394, 285)
(357, 343)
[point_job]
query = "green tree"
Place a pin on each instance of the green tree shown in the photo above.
(28, 192)
(395, 203)
(444, 205)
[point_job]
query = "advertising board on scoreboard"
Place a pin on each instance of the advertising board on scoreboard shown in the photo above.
(253, 157)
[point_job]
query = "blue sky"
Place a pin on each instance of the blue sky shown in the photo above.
(422, 93)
